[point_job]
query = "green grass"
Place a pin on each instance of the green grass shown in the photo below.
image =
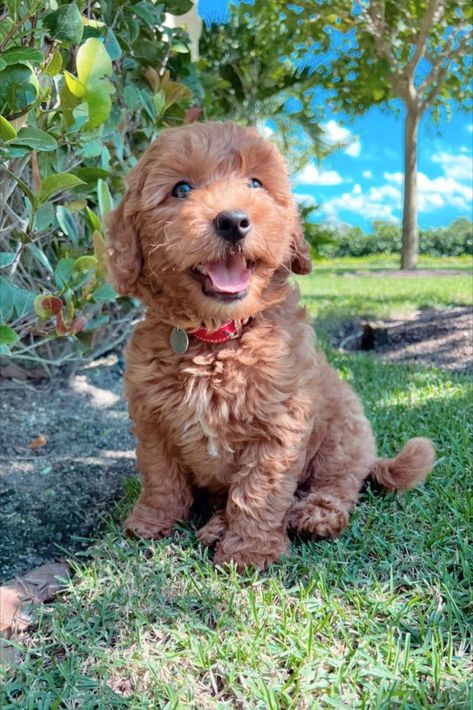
(376, 619)
(346, 289)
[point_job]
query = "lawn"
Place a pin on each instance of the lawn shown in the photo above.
(376, 619)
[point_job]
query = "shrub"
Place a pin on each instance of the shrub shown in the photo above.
(454, 240)
(84, 88)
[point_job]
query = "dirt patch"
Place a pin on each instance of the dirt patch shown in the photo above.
(429, 337)
(53, 494)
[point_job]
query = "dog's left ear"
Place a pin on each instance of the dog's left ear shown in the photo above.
(301, 262)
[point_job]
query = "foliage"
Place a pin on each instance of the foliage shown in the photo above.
(454, 240)
(84, 88)
(252, 76)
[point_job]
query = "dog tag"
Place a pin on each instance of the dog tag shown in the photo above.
(179, 340)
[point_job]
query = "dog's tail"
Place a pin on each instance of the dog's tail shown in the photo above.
(408, 469)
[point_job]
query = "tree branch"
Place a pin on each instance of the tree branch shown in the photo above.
(374, 19)
(436, 77)
(432, 15)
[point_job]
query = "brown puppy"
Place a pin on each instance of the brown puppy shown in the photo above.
(225, 386)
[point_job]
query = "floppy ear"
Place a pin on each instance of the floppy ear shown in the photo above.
(124, 253)
(301, 262)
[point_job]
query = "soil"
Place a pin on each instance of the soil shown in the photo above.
(66, 446)
(429, 337)
(65, 450)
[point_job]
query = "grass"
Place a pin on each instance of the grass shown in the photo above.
(351, 289)
(379, 618)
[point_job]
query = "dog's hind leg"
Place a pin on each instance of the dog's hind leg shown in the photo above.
(333, 479)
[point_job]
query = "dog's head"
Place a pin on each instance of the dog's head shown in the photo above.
(208, 224)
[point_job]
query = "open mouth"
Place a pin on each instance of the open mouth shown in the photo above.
(227, 279)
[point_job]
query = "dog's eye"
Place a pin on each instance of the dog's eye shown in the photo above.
(254, 182)
(182, 189)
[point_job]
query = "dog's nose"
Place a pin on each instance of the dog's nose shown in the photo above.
(232, 225)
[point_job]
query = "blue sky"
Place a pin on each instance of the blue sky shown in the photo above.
(363, 182)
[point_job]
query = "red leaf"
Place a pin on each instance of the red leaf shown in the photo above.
(61, 327)
(53, 304)
(77, 325)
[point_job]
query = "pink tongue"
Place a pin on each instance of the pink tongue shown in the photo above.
(229, 276)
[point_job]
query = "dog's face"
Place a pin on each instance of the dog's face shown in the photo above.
(208, 222)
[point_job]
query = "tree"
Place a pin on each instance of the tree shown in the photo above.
(256, 75)
(412, 51)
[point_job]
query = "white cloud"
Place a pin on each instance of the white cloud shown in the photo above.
(335, 133)
(367, 174)
(377, 203)
(443, 191)
(312, 175)
(458, 167)
(354, 149)
(469, 128)
(305, 199)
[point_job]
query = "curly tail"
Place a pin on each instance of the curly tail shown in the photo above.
(409, 468)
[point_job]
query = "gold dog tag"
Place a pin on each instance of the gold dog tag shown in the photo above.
(179, 340)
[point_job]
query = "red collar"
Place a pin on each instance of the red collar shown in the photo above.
(229, 330)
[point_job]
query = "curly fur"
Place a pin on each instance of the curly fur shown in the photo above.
(262, 421)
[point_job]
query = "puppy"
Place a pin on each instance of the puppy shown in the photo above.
(226, 389)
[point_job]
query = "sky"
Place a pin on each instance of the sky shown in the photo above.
(363, 182)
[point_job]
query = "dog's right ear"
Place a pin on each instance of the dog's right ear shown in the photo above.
(124, 252)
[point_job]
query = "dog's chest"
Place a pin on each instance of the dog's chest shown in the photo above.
(212, 418)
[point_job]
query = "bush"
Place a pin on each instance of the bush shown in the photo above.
(454, 240)
(84, 88)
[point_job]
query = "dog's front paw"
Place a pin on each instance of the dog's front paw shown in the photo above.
(214, 529)
(147, 522)
(318, 514)
(258, 554)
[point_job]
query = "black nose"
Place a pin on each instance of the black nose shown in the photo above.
(232, 225)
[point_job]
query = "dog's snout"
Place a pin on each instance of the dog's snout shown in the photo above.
(232, 225)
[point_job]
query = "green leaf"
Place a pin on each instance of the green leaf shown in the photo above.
(41, 257)
(19, 89)
(53, 184)
(178, 7)
(150, 14)
(35, 139)
(15, 55)
(105, 293)
(67, 223)
(54, 64)
(100, 104)
(63, 272)
(6, 299)
(112, 46)
(7, 131)
(91, 175)
(85, 263)
(94, 220)
(93, 62)
(6, 258)
(75, 86)
(8, 335)
(65, 24)
(180, 48)
(104, 198)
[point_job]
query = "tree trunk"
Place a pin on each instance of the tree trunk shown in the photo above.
(410, 232)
